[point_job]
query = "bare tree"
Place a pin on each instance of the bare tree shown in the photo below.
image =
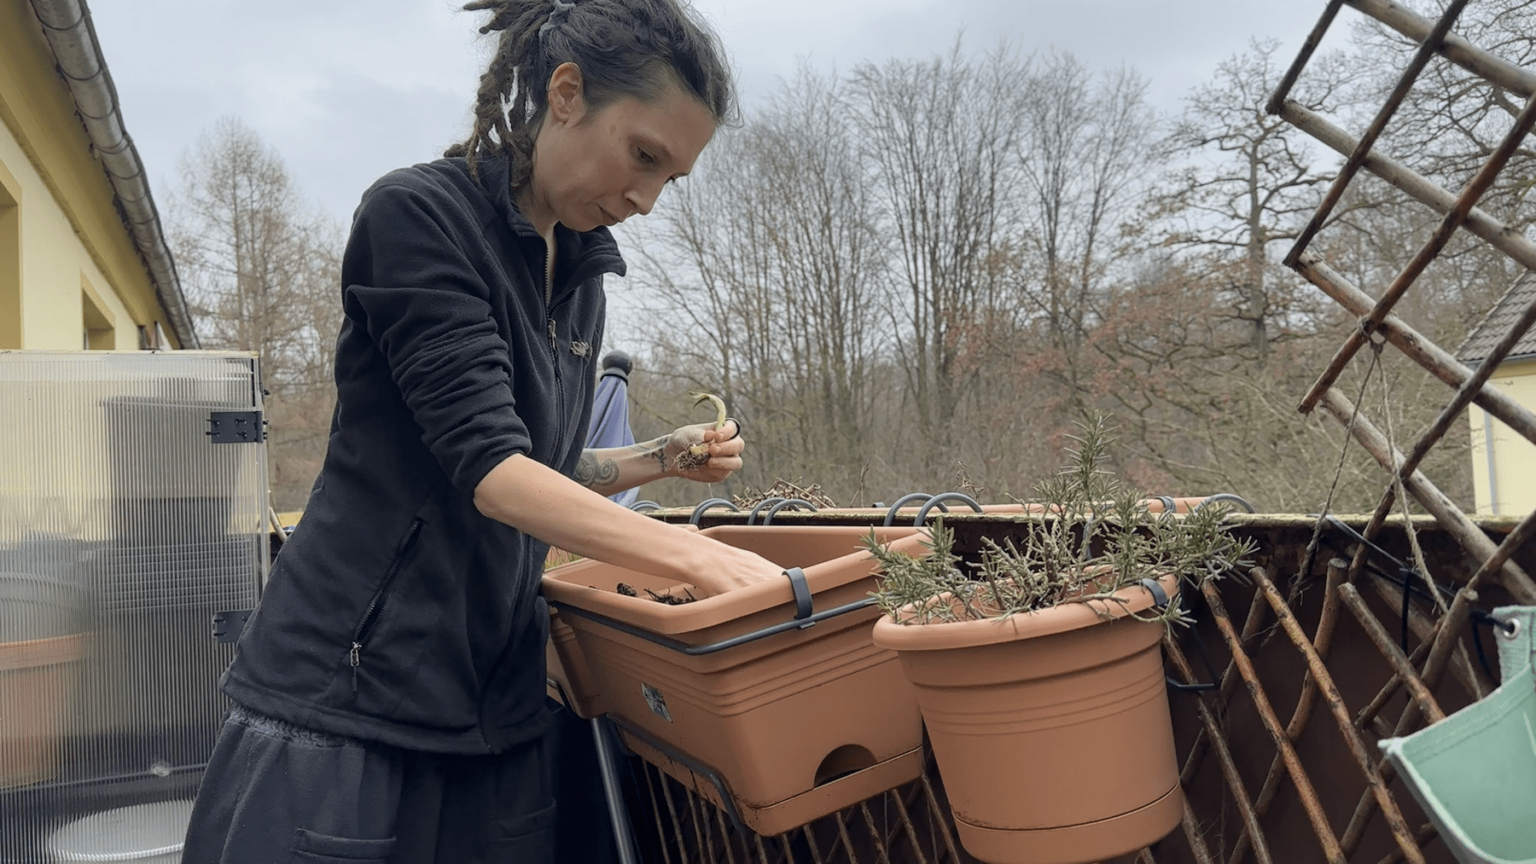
(1250, 182)
(766, 262)
(939, 139)
(262, 274)
(1084, 158)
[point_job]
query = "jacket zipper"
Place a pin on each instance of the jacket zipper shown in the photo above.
(380, 600)
(554, 342)
(554, 356)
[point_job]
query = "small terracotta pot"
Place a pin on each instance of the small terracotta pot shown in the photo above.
(1051, 729)
(782, 729)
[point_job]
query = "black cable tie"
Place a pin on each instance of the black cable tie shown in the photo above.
(1487, 619)
(1360, 538)
(1477, 640)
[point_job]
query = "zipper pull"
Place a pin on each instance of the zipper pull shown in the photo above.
(553, 339)
(356, 657)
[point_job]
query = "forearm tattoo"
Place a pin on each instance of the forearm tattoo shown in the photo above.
(656, 449)
(592, 474)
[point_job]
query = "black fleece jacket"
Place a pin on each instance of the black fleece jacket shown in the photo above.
(397, 612)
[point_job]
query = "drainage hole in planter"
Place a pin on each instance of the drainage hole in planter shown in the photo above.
(843, 761)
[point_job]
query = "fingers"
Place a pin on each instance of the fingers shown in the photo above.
(729, 432)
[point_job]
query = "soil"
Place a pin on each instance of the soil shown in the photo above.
(668, 599)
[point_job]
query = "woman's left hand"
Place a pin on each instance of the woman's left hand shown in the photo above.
(723, 457)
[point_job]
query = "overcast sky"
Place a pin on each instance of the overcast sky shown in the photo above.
(349, 89)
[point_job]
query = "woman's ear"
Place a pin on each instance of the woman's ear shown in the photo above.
(566, 104)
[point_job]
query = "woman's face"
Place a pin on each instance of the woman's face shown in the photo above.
(594, 168)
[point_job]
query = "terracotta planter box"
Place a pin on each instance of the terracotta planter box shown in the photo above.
(1051, 729)
(781, 727)
(37, 681)
(570, 681)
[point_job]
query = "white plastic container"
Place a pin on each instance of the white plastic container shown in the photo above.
(142, 834)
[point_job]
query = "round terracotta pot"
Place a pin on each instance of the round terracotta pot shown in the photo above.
(1050, 729)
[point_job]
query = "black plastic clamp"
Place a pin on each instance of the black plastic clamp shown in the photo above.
(804, 606)
(790, 503)
(909, 498)
(710, 504)
(1159, 596)
(939, 500)
(1225, 498)
(761, 505)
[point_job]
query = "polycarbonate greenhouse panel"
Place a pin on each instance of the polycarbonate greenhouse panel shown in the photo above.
(132, 510)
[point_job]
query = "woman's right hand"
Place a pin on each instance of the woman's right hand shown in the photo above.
(534, 498)
(722, 568)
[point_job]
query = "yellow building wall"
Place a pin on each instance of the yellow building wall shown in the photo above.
(1503, 462)
(77, 279)
(56, 272)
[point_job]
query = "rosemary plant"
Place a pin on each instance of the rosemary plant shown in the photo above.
(1087, 536)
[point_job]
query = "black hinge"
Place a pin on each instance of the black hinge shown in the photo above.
(227, 625)
(236, 427)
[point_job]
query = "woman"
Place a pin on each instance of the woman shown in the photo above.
(389, 690)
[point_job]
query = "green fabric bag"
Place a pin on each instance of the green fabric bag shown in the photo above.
(1474, 772)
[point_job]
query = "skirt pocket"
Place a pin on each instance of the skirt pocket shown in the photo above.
(309, 847)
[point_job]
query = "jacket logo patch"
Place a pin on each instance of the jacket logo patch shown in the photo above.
(581, 349)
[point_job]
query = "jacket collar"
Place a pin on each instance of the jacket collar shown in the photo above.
(580, 255)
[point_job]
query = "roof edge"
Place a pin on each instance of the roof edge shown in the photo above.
(1465, 352)
(72, 38)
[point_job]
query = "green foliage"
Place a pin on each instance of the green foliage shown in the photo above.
(1086, 537)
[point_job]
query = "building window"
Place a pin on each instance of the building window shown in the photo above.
(97, 331)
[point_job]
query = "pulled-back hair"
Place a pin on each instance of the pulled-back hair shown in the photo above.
(622, 47)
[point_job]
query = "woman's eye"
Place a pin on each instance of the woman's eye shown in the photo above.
(645, 158)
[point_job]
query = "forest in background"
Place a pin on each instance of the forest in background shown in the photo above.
(920, 274)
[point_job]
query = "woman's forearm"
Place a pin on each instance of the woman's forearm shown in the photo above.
(540, 501)
(612, 470)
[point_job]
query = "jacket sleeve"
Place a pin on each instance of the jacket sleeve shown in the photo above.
(427, 309)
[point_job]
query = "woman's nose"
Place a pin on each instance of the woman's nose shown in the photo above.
(642, 197)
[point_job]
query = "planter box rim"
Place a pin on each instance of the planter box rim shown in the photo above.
(561, 587)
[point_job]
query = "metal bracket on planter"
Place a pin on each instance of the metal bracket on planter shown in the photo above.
(227, 626)
(761, 505)
(791, 503)
(910, 497)
(804, 617)
(236, 427)
(642, 506)
(938, 501)
(711, 504)
(1226, 498)
(726, 801)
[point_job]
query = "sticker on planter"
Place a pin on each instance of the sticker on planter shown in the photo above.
(657, 701)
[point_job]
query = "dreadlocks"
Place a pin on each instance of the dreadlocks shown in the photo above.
(622, 47)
